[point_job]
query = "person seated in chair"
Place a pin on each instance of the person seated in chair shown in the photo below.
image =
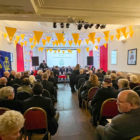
(11, 123)
(25, 87)
(125, 125)
(106, 92)
(3, 82)
(7, 99)
(37, 100)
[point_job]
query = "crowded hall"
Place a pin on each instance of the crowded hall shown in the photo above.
(69, 70)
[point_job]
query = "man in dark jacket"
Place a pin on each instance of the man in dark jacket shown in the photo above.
(43, 102)
(106, 92)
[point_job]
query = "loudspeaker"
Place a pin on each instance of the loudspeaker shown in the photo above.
(89, 60)
(35, 61)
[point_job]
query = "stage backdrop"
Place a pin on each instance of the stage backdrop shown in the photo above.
(5, 62)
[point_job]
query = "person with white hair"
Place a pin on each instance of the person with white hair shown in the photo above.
(11, 123)
(125, 125)
(134, 81)
(7, 99)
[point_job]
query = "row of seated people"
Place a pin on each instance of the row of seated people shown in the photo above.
(103, 90)
(79, 73)
(25, 82)
(36, 100)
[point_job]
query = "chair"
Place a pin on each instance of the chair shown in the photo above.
(109, 109)
(35, 122)
(81, 82)
(91, 93)
(3, 109)
(136, 138)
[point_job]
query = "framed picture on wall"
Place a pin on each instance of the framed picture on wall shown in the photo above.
(132, 57)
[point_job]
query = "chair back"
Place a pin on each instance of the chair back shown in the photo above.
(91, 93)
(109, 108)
(136, 138)
(81, 82)
(3, 109)
(35, 119)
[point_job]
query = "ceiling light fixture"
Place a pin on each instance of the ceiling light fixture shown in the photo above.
(62, 25)
(54, 25)
(103, 26)
(86, 26)
(67, 25)
(97, 26)
(79, 26)
(91, 25)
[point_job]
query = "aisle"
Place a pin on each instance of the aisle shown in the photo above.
(73, 122)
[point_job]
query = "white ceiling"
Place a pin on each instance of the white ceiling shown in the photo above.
(30, 15)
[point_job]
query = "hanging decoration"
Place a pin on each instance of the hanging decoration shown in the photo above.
(22, 36)
(87, 41)
(60, 37)
(5, 35)
(38, 35)
(75, 37)
(48, 38)
(111, 37)
(30, 40)
(79, 42)
(105, 45)
(43, 42)
(70, 42)
(64, 43)
(25, 43)
(87, 49)
(78, 50)
(91, 36)
(98, 39)
(96, 47)
(10, 32)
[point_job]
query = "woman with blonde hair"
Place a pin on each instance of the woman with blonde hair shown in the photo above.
(32, 80)
(92, 82)
(11, 123)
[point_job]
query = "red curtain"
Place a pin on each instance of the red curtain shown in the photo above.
(20, 58)
(104, 57)
(91, 53)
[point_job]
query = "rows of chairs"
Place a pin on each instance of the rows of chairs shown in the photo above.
(108, 109)
(35, 123)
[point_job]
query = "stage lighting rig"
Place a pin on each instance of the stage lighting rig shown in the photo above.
(54, 25)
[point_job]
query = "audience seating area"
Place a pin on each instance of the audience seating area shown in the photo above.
(89, 85)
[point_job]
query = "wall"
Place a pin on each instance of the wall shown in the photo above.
(8, 47)
(122, 50)
(82, 57)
